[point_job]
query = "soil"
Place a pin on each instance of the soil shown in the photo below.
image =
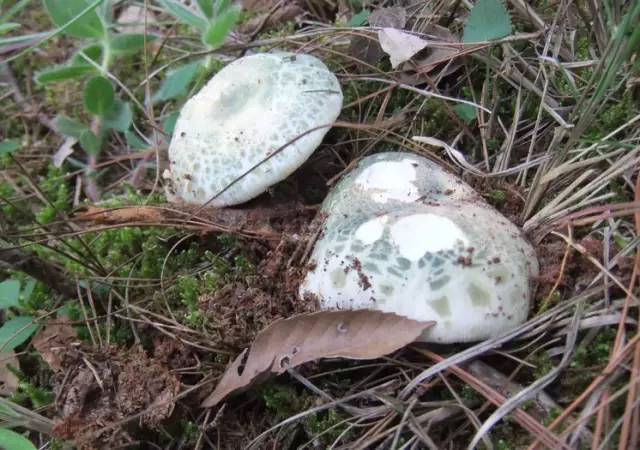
(578, 270)
(98, 390)
(239, 310)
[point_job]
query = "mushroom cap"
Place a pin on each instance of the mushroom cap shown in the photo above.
(453, 260)
(247, 111)
(388, 181)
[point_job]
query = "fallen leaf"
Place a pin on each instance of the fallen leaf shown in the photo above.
(8, 381)
(132, 20)
(434, 56)
(54, 341)
(367, 49)
(287, 343)
(119, 215)
(395, 17)
(135, 15)
(65, 150)
(255, 220)
(399, 45)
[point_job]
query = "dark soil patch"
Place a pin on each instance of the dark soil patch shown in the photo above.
(237, 311)
(98, 390)
(578, 271)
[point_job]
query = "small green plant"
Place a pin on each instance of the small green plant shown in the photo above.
(488, 20)
(18, 328)
(213, 20)
(14, 441)
(92, 23)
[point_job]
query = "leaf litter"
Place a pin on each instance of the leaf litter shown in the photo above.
(287, 343)
(410, 53)
(99, 387)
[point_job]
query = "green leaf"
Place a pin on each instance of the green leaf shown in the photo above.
(9, 293)
(99, 96)
(184, 14)
(9, 439)
(220, 5)
(69, 127)
(12, 326)
(24, 38)
(177, 82)
(6, 410)
(6, 27)
(488, 20)
(7, 146)
(60, 73)
(359, 18)
(63, 11)
(90, 143)
(129, 43)
(28, 290)
(92, 51)
(120, 116)
(206, 7)
(169, 123)
(105, 11)
(221, 26)
(135, 142)
(466, 112)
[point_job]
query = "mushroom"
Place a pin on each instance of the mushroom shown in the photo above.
(404, 236)
(225, 142)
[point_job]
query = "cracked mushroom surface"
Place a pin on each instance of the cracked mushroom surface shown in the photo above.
(241, 117)
(428, 255)
(387, 181)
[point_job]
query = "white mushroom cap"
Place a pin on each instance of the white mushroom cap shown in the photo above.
(248, 110)
(455, 261)
(387, 181)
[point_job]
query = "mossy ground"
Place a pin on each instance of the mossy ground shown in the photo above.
(186, 286)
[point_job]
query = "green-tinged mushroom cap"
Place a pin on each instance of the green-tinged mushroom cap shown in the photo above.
(448, 257)
(246, 112)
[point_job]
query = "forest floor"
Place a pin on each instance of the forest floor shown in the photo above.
(120, 311)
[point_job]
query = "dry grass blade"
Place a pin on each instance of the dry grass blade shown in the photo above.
(290, 342)
(523, 418)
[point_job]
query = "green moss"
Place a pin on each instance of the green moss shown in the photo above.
(498, 195)
(611, 116)
(57, 191)
(328, 426)
(188, 288)
(544, 365)
(282, 399)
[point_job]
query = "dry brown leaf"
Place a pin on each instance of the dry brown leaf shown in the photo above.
(434, 56)
(367, 49)
(399, 45)
(357, 334)
(54, 341)
(247, 221)
(134, 14)
(8, 381)
(119, 215)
